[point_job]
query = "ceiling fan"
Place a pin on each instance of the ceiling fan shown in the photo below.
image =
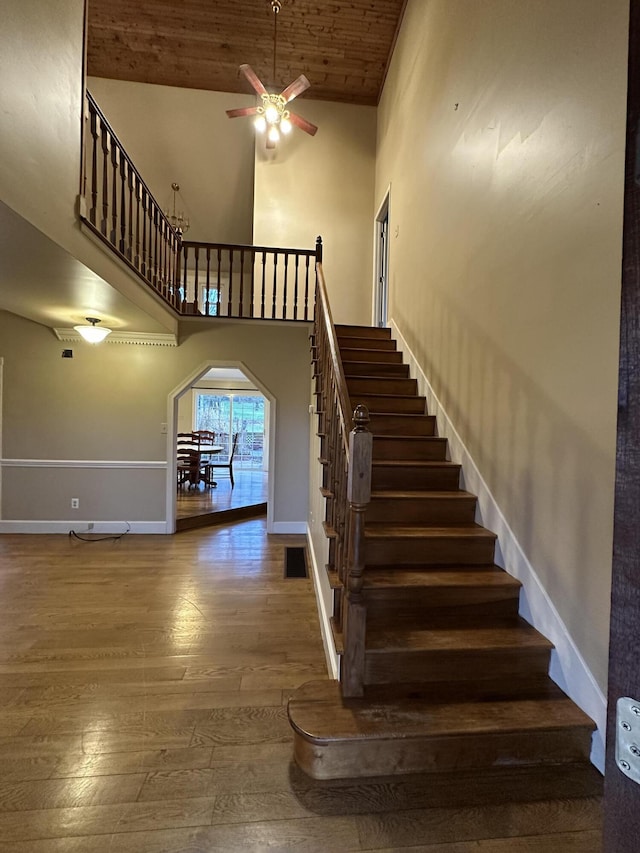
(272, 116)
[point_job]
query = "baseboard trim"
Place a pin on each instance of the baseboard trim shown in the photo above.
(333, 661)
(568, 668)
(289, 527)
(83, 463)
(81, 527)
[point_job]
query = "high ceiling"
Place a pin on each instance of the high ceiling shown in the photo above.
(342, 47)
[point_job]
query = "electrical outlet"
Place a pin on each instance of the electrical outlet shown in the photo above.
(75, 503)
(628, 737)
(163, 429)
(90, 525)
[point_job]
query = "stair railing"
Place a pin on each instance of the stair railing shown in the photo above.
(119, 208)
(193, 278)
(346, 458)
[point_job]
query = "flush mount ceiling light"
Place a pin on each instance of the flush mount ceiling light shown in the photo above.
(92, 333)
(272, 117)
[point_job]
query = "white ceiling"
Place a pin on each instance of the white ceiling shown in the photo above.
(42, 282)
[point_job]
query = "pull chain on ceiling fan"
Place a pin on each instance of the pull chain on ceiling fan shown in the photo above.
(272, 116)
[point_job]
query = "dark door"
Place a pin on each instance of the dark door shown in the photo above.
(622, 795)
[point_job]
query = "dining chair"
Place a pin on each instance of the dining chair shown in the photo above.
(229, 464)
(188, 466)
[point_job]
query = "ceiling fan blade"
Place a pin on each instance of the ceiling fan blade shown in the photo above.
(253, 78)
(303, 124)
(296, 88)
(243, 111)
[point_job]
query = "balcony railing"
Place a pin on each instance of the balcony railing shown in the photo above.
(193, 278)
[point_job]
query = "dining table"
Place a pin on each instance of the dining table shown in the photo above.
(197, 453)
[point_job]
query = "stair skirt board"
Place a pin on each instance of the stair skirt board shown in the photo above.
(568, 668)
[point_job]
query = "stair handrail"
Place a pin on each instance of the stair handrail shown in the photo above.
(347, 487)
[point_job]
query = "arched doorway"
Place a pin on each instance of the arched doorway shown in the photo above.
(227, 398)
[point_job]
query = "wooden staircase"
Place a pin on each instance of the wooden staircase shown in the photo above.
(454, 678)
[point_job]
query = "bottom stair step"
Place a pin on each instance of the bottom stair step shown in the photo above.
(395, 734)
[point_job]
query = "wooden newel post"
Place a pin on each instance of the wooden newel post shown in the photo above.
(319, 250)
(358, 495)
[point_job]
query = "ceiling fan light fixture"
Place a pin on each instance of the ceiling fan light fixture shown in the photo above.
(274, 134)
(271, 114)
(260, 123)
(285, 125)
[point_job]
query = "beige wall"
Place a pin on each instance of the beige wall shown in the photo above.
(108, 402)
(323, 185)
(41, 103)
(184, 135)
(501, 132)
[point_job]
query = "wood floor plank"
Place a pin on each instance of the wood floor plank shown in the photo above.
(474, 824)
(152, 721)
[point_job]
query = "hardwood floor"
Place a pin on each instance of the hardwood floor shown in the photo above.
(202, 507)
(143, 685)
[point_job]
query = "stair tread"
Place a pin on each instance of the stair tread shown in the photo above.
(463, 638)
(397, 531)
(379, 578)
(410, 463)
(320, 713)
(422, 494)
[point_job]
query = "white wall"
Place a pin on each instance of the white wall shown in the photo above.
(501, 132)
(323, 185)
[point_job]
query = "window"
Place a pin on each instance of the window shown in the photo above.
(227, 414)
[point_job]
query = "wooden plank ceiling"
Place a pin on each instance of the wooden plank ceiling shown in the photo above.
(342, 47)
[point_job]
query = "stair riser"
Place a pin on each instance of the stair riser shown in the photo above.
(416, 510)
(444, 552)
(416, 611)
(372, 355)
(437, 479)
(398, 667)
(407, 425)
(345, 330)
(368, 368)
(399, 405)
(358, 759)
(366, 343)
(381, 385)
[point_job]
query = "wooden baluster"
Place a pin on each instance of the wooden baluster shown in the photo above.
(130, 177)
(122, 244)
(136, 257)
(275, 284)
(253, 272)
(115, 156)
(196, 251)
(208, 280)
(104, 136)
(183, 297)
(241, 282)
(144, 268)
(93, 212)
(264, 265)
(295, 289)
(155, 246)
(230, 294)
(284, 296)
(306, 290)
(177, 248)
(219, 284)
(359, 496)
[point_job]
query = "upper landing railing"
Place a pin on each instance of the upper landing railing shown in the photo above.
(194, 279)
